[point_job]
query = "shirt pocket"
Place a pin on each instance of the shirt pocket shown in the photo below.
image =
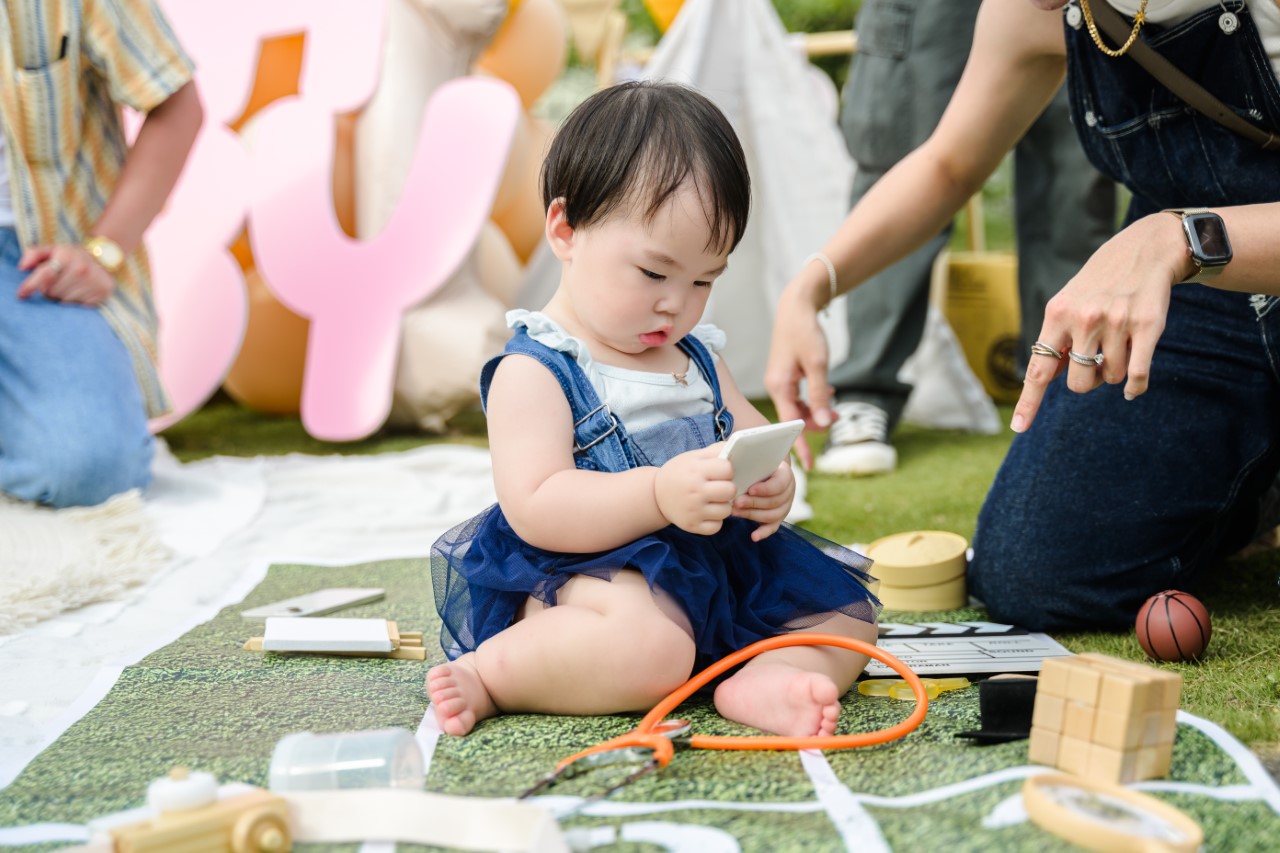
(46, 100)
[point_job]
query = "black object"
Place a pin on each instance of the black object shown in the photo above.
(1005, 704)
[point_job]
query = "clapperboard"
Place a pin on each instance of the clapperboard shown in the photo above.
(963, 648)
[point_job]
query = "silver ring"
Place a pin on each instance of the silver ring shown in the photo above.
(55, 265)
(1090, 360)
(1041, 348)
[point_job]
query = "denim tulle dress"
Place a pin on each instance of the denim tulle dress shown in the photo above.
(734, 591)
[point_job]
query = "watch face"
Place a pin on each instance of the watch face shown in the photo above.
(1208, 239)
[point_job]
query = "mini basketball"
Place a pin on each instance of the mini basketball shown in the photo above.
(1173, 626)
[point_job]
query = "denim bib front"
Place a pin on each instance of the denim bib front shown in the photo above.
(601, 442)
(1167, 153)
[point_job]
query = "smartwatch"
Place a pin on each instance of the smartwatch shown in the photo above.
(1207, 241)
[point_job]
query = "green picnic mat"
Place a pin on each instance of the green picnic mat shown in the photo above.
(205, 703)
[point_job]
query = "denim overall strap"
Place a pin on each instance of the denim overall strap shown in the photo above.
(598, 436)
(701, 356)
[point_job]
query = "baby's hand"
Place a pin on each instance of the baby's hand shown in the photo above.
(768, 501)
(695, 490)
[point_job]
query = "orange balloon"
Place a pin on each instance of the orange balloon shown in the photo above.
(523, 218)
(663, 12)
(267, 374)
(530, 49)
(344, 171)
(279, 66)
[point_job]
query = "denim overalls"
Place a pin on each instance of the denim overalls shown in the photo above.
(601, 442)
(1104, 502)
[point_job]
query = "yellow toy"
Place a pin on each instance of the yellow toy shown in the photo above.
(1105, 718)
(897, 688)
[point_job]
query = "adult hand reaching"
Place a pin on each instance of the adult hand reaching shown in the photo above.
(1104, 324)
(799, 351)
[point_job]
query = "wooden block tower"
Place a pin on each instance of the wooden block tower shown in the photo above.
(1105, 718)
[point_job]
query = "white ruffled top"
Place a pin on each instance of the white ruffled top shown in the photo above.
(637, 398)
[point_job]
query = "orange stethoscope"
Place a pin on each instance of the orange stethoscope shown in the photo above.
(652, 743)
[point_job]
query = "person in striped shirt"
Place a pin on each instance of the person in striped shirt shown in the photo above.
(78, 377)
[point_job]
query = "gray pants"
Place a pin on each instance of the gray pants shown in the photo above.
(910, 56)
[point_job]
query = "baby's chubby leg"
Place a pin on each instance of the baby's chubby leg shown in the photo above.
(796, 691)
(606, 647)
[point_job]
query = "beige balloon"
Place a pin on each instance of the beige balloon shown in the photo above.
(589, 24)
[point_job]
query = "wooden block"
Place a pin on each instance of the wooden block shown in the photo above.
(1168, 683)
(1044, 746)
(1083, 684)
(1159, 727)
(1164, 760)
(1125, 693)
(1118, 731)
(1153, 761)
(1049, 712)
(1078, 721)
(1073, 755)
(1053, 677)
(1112, 765)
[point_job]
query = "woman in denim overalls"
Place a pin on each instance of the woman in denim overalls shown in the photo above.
(1135, 486)
(618, 558)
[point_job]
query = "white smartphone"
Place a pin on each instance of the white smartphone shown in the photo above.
(316, 603)
(758, 451)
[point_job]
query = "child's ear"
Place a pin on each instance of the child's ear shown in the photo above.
(559, 232)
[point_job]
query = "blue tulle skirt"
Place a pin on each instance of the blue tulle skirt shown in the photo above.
(733, 590)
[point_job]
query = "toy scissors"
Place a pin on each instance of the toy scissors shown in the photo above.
(652, 743)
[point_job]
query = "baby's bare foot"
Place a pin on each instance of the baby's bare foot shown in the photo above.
(458, 695)
(782, 699)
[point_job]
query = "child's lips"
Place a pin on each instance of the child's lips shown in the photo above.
(657, 338)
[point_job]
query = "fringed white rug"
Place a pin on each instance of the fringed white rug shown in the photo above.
(57, 560)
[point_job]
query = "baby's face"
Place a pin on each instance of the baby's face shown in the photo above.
(636, 285)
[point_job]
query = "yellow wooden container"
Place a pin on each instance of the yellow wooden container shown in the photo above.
(920, 570)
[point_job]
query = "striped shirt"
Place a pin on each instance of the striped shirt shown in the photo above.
(67, 67)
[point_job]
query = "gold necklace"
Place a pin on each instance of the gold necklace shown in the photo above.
(1138, 20)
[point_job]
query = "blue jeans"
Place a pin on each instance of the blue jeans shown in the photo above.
(1104, 502)
(73, 431)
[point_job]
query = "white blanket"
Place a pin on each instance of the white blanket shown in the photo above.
(224, 521)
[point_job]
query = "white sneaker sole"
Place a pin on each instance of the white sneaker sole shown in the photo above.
(858, 460)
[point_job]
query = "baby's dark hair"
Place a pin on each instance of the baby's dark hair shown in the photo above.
(639, 142)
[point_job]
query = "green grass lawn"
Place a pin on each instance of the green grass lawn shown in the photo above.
(941, 480)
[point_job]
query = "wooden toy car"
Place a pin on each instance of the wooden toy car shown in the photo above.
(256, 821)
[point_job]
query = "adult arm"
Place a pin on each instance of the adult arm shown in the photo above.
(1015, 65)
(1118, 302)
(151, 168)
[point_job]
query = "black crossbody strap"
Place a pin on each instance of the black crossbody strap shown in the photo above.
(1110, 21)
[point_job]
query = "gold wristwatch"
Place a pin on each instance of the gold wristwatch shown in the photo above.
(106, 252)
